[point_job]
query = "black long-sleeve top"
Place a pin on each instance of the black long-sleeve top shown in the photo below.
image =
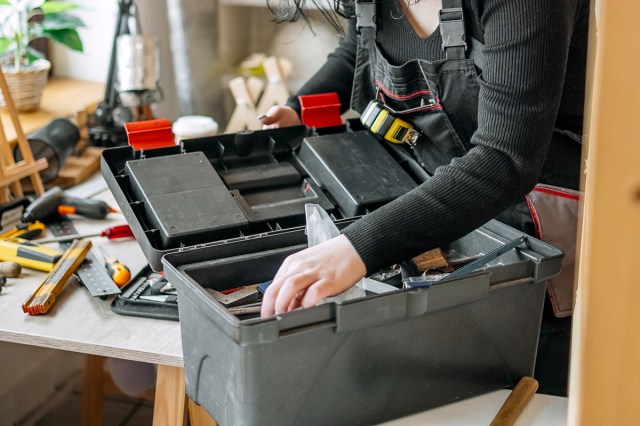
(533, 81)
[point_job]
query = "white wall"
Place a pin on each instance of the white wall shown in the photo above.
(100, 19)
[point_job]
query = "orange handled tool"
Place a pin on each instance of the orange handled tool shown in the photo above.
(119, 273)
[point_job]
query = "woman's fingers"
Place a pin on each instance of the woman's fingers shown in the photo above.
(290, 289)
(312, 274)
(279, 116)
(318, 291)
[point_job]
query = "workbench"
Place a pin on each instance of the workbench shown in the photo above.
(84, 324)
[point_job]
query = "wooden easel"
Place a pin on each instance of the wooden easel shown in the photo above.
(10, 171)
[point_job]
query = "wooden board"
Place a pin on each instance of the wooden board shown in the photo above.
(605, 348)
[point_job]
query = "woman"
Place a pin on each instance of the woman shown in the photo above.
(496, 88)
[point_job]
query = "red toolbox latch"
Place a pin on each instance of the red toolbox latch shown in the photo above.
(149, 134)
(321, 110)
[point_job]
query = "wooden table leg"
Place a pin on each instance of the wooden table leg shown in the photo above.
(170, 406)
(93, 400)
(198, 416)
(171, 402)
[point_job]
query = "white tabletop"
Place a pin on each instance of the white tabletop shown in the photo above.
(81, 323)
(542, 410)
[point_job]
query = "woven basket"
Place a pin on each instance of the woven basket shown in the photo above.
(26, 85)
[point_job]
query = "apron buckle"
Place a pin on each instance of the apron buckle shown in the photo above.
(452, 29)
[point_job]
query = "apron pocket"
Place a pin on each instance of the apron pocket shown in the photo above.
(439, 143)
(555, 214)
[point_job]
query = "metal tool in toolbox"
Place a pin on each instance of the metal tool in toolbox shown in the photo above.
(91, 273)
(415, 282)
(41, 301)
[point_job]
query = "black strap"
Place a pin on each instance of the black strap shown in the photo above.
(452, 29)
(366, 18)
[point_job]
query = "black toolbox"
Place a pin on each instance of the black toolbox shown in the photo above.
(360, 362)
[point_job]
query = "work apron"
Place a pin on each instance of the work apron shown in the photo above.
(440, 98)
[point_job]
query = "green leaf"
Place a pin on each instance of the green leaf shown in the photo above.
(5, 43)
(33, 55)
(56, 7)
(68, 37)
(61, 21)
(4, 2)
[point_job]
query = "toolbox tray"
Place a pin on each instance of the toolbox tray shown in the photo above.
(270, 182)
(363, 361)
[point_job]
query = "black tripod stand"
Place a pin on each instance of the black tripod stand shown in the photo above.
(106, 127)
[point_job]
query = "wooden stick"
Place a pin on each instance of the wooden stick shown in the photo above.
(515, 403)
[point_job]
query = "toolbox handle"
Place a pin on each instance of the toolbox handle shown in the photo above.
(372, 311)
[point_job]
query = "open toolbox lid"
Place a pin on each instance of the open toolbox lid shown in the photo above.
(249, 184)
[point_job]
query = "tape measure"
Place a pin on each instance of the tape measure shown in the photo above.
(382, 122)
(28, 254)
(92, 272)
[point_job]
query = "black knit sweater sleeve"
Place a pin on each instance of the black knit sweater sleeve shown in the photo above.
(336, 75)
(526, 49)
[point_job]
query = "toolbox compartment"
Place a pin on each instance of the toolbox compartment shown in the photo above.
(244, 184)
(364, 361)
(360, 362)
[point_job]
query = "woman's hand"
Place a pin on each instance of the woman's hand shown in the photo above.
(312, 274)
(279, 116)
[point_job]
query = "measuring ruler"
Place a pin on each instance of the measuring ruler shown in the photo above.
(92, 272)
(45, 295)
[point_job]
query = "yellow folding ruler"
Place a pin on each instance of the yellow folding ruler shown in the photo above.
(42, 299)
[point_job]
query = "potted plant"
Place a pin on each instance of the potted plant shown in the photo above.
(25, 68)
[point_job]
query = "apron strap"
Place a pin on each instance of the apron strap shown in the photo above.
(452, 29)
(366, 18)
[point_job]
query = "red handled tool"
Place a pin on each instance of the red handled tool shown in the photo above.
(112, 233)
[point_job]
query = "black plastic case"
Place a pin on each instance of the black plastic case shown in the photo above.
(360, 362)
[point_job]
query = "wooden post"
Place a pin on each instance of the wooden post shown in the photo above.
(605, 371)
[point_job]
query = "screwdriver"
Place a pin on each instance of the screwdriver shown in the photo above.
(119, 273)
(112, 233)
